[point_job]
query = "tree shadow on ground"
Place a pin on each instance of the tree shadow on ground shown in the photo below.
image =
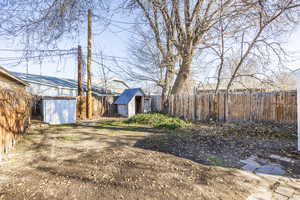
(131, 172)
(102, 165)
(223, 151)
(209, 149)
(125, 128)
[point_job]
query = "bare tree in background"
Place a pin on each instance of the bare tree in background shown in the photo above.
(266, 21)
(199, 24)
(46, 22)
(181, 30)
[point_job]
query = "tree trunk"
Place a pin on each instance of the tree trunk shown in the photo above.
(169, 77)
(182, 83)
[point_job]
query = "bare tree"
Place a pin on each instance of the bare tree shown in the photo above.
(267, 20)
(46, 22)
(152, 65)
(198, 24)
(182, 31)
(188, 24)
(163, 35)
(258, 40)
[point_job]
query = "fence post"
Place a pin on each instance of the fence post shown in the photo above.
(195, 106)
(225, 106)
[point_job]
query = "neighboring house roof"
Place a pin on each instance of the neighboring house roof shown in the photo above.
(54, 81)
(114, 84)
(128, 94)
(12, 76)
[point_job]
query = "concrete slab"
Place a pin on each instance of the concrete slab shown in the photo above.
(272, 169)
(250, 164)
(262, 166)
(285, 159)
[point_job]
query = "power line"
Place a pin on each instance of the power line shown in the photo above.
(100, 16)
(17, 10)
(107, 56)
(38, 50)
(105, 66)
(118, 21)
(71, 51)
(5, 59)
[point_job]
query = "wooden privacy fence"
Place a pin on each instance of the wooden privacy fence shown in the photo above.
(258, 106)
(102, 107)
(15, 110)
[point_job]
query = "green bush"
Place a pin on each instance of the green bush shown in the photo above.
(158, 120)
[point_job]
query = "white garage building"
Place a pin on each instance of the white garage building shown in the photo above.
(57, 97)
(53, 86)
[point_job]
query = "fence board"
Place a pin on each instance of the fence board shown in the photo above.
(278, 106)
(102, 106)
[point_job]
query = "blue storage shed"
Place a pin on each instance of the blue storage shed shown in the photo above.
(130, 102)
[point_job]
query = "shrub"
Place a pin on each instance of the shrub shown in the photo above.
(158, 120)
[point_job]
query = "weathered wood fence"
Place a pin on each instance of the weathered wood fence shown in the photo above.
(102, 107)
(258, 106)
(15, 110)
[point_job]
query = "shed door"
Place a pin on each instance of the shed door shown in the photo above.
(138, 104)
(59, 111)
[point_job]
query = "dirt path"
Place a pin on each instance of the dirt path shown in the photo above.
(91, 161)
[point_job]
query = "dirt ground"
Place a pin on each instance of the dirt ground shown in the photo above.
(227, 144)
(104, 160)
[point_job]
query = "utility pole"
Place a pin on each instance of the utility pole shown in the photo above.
(103, 73)
(27, 52)
(79, 60)
(89, 67)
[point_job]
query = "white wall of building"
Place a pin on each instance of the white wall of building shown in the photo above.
(59, 111)
(131, 107)
(46, 90)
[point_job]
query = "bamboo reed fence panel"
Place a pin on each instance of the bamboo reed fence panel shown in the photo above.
(15, 111)
(102, 107)
(279, 106)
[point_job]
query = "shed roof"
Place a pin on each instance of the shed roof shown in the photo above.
(47, 80)
(12, 76)
(128, 94)
(54, 81)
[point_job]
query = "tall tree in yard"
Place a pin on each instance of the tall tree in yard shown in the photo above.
(183, 30)
(164, 35)
(194, 27)
(188, 23)
(152, 64)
